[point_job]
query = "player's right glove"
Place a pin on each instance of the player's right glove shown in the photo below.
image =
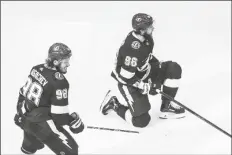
(76, 125)
(144, 87)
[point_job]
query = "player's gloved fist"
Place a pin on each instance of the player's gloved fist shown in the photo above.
(18, 120)
(154, 87)
(144, 87)
(76, 124)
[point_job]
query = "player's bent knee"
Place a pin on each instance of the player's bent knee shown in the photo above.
(41, 146)
(75, 151)
(142, 120)
(27, 150)
(31, 149)
(174, 70)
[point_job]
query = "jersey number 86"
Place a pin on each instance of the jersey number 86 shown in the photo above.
(131, 61)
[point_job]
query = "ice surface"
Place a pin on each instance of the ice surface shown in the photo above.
(197, 35)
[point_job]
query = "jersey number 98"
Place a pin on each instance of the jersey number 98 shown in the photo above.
(131, 61)
(61, 94)
(32, 91)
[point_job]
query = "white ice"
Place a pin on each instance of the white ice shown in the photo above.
(197, 35)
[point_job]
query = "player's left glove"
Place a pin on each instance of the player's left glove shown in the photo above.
(76, 125)
(154, 87)
(18, 120)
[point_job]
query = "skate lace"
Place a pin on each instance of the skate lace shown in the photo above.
(175, 105)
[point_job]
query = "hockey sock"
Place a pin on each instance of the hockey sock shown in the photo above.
(170, 91)
(170, 87)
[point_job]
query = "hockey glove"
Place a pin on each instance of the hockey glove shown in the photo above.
(144, 87)
(153, 90)
(76, 125)
(154, 87)
(18, 120)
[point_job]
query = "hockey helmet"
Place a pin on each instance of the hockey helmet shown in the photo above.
(59, 51)
(141, 21)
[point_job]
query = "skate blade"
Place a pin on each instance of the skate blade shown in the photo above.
(106, 99)
(168, 115)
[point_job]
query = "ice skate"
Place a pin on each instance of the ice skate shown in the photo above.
(109, 103)
(171, 110)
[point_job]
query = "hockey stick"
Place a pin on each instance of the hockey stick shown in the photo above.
(194, 113)
(110, 129)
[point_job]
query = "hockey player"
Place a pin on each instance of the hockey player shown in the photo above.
(42, 108)
(140, 73)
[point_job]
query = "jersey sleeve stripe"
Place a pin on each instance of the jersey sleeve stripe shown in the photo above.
(20, 92)
(126, 74)
(147, 72)
(118, 78)
(174, 83)
(59, 109)
(128, 96)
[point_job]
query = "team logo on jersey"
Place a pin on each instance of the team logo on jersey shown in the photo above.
(59, 76)
(135, 45)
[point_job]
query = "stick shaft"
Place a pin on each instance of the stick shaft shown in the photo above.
(111, 129)
(194, 113)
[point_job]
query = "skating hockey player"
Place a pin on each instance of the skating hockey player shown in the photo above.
(42, 108)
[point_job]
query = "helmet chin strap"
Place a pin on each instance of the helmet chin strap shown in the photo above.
(147, 35)
(58, 68)
(142, 32)
(141, 37)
